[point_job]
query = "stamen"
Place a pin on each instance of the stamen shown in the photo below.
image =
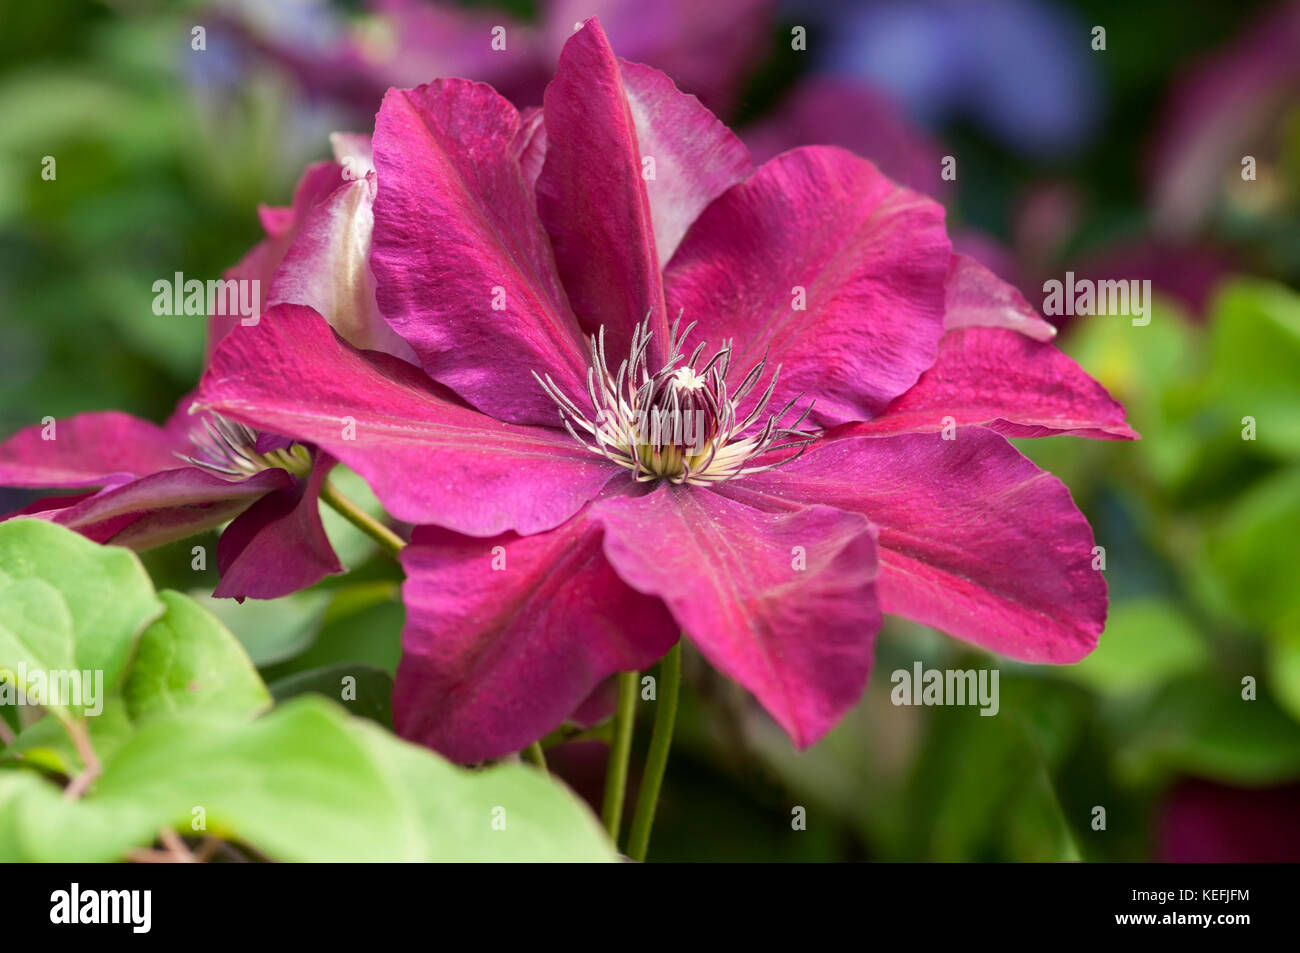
(678, 423)
(229, 449)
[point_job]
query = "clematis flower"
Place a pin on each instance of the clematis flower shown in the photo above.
(148, 485)
(713, 401)
(154, 485)
(708, 47)
(1223, 108)
(1204, 821)
(815, 113)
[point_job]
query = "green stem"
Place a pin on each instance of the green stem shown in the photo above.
(568, 734)
(533, 753)
(359, 518)
(670, 680)
(620, 753)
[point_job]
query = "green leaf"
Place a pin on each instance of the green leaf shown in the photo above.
(363, 690)
(1204, 726)
(308, 783)
(1146, 368)
(189, 660)
(271, 630)
(37, 824)
(983, 788)
(1256, 547)
(359, 628)
(1147, 642)
(185, 661)
(47, 745)
(1255, 348)
(35, 635)
(452, 811)
(1284, 663)
(104, 600)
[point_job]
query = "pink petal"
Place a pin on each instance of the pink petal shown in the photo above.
(316, 253)
(530, 144)
(975, 297)
(278, 545)
(354, 152)
(974, 539)
(696, 157)
(163, 507)
(593, 200)
(840, 111)
(429, 458)
(708, 48)
(457, 235)
(799, 638)
(505, 637)
(92, 449)
(1009, 383)
(326, 266)
(871, 258)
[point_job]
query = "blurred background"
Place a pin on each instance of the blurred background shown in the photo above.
(1112, 154)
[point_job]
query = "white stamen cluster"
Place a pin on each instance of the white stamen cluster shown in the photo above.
(229, 449)
(680, 423)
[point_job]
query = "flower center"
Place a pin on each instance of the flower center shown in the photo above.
(229, 449)
(679, 423)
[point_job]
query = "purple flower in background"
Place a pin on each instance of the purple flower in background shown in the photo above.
(1207, 822)
(1224, 109)
(707, 47)
(567, 528)
(1019, 68)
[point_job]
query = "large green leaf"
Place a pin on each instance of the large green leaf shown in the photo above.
(47, 745)
(1284, 662)
(1147, 642)
(307, 782)
(1256, 547)
(1255, 351)
(38, 824)
(1204, 726)
(1147, 369)
(67, 603)
(188, 660)
(35, 635)
(363, 690)
(271, 630)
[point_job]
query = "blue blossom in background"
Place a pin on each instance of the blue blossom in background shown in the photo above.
(1018, 68)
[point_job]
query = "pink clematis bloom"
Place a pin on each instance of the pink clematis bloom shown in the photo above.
(709, 48)
(148, 485)
(152, 485)
(592, 474)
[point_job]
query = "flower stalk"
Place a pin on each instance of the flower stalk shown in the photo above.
(661, 739)
(359, 518)
(534, 755)
(620, 754)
